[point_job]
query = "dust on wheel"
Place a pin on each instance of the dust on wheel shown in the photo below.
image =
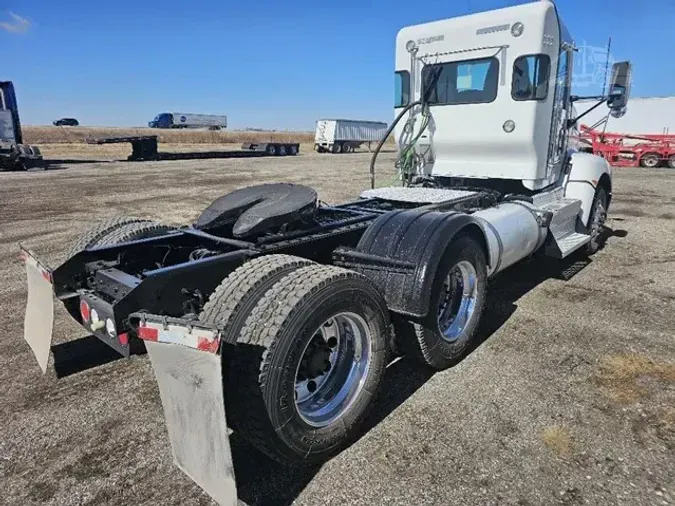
(596, 220)
(671, 161)
(650, 160)
(308, 363)
(455, 308)
(292, 149)
(282, 150)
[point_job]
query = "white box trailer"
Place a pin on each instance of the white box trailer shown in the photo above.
(188, 120)
(344, 135)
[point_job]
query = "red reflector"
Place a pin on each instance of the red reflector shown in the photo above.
(84, 310)
(148, 333)
(207, 344)
(124, 338)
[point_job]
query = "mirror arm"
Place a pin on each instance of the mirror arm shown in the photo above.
(572, 122)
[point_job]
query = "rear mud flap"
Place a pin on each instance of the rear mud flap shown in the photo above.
(191, 389)
(39, 319)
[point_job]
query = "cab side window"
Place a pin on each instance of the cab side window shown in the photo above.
(530, 77)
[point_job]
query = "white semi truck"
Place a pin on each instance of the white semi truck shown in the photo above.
(346, 135)
(271, 314)
(188, 120)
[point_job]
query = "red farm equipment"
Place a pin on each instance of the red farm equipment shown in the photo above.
(627, 150)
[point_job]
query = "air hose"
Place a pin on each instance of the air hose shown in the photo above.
(386, 136)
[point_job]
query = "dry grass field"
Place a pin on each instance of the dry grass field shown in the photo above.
(70, 135)
(567, 398)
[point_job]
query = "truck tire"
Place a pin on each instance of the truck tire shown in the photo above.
(596, 220)
(337, 148)
(292, 149)
(271, 150)
(281, 151)
(134, 232)
(233, 300)
(671, 161)
(456, 308)
(309, 360)
(650, 160)
(93, 235)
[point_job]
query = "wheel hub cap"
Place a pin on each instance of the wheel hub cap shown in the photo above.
(458, 300)
(333, 369)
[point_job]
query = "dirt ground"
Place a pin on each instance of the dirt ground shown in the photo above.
(568, 399)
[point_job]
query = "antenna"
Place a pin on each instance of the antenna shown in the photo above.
(604, 84)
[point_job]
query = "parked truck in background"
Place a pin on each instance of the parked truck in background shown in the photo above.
(14, 154)
(344, 135)
(188, 120)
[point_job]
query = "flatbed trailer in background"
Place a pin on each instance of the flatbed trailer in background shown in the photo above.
(145, 148)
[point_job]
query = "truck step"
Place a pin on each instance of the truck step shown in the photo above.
(564, 220)
(550, 197)
(563, 227)
(570, 243)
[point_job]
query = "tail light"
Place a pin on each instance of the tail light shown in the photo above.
(85, 311)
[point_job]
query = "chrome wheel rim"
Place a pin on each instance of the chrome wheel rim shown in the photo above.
(599, 218)
(333, 369)
(458, 300)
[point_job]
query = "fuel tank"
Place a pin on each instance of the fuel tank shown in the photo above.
(513, 232)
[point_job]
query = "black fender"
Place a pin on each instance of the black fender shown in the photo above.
(401, 251)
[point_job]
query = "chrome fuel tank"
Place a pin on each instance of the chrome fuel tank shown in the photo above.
(513, 232)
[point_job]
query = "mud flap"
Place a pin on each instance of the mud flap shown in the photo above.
(39, 319)
(191, 388)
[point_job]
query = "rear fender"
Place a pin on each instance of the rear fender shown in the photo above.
(401, 251)
(587, 174)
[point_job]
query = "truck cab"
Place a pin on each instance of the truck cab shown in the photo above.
(495, 93)
(162, 120)
(13, 153)
(10, 128)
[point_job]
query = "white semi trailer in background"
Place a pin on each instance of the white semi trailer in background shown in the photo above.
(272, 313)
(345, 135)
(188, 120)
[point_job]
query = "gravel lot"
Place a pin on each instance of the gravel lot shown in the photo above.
(569, 398)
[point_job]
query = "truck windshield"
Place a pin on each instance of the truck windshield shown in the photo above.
(462, 82)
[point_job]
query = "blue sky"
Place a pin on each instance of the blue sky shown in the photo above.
(266, 64)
